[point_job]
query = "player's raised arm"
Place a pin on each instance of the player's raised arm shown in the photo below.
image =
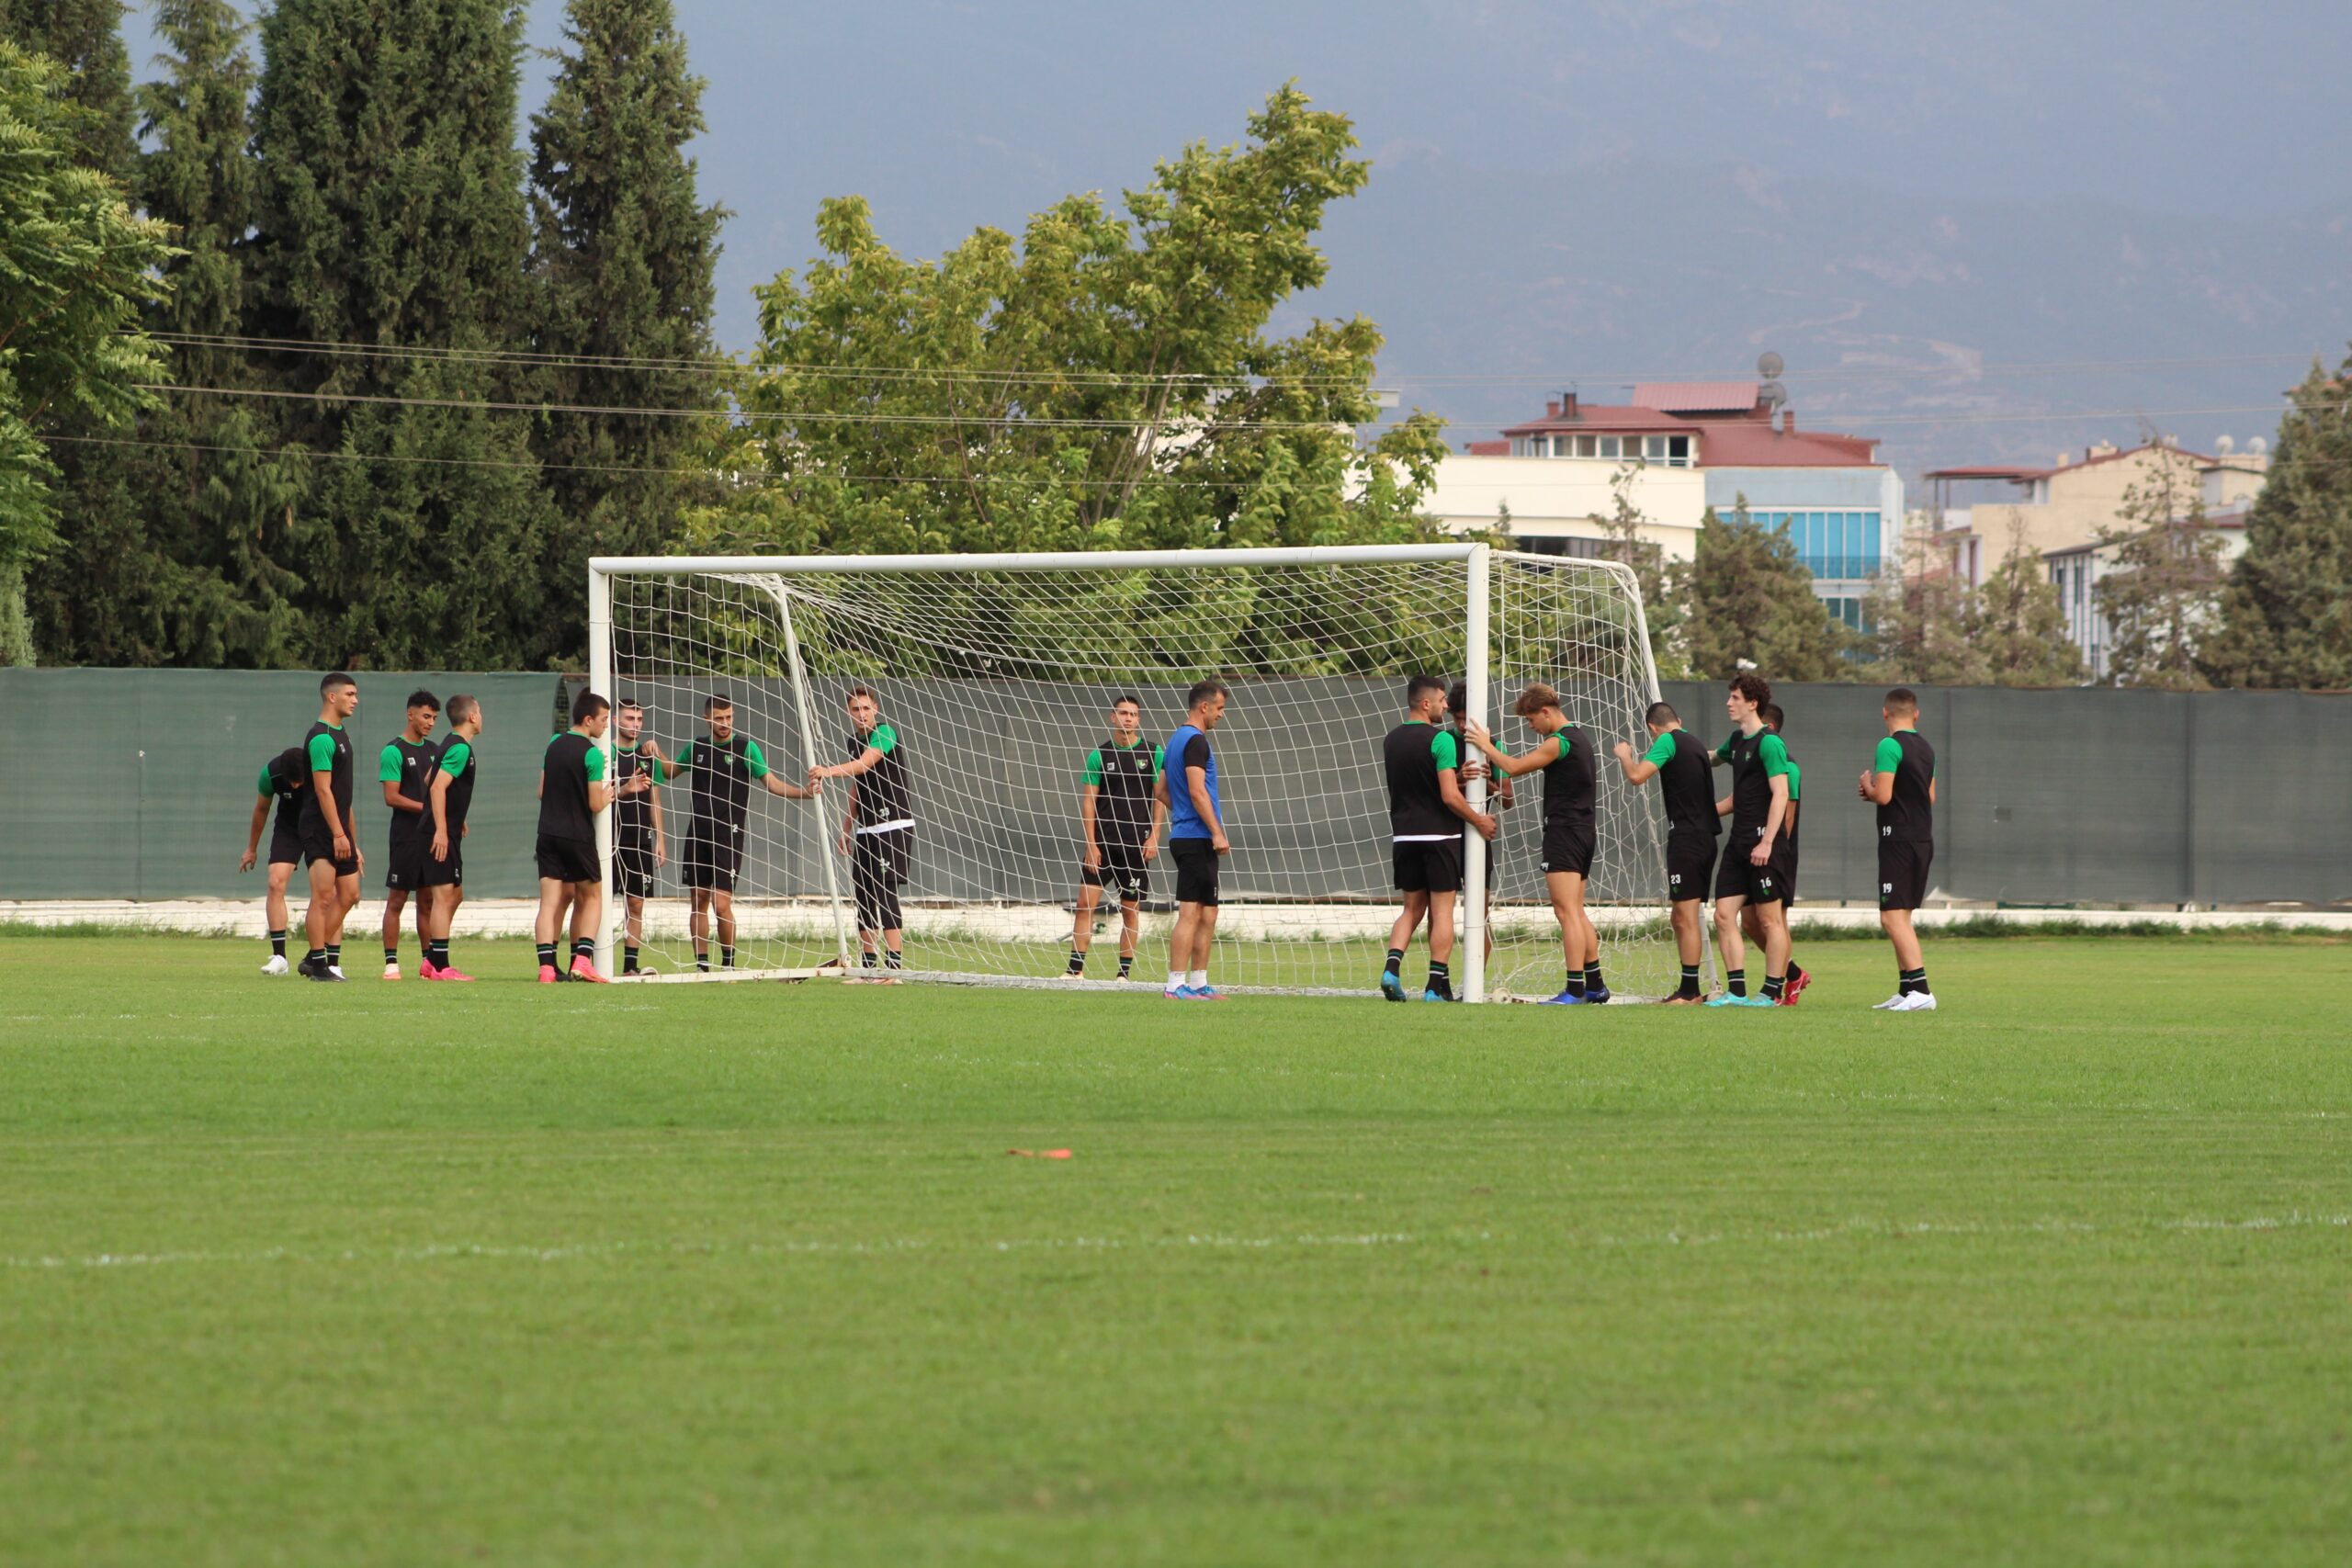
(773, 781)
(1546, 752)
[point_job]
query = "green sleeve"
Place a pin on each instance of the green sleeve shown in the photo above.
(1661, 751)
(1158, 761)
(1724, 751)
(1446, 750)
(1796, 781)
(387, 765)
(1094, 767)
(1890, 757)
(884, 739)
(265, 786)
(453, 757)
(594, 762)
(1567, 741)
(1775, 755)
(759, 764)
(322, 753)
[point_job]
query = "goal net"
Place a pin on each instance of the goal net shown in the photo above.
(997, 676)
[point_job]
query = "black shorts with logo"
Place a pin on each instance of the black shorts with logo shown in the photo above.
(1197, 870)
(450, 873)
(1903, 872)
(633, 867)
(405, 863)
(877, 869)
(567, 860)
(1689, 863)
(714, 857)
(285, 844)
(1429, 865)
(1567, 846)
(318, 844)
(1122, 868)
(1737, 878)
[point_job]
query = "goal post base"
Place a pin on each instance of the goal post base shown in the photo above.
(728, 976)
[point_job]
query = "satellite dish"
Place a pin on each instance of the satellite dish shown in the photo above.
(1772, 393)
(2225, 445)
(1769, 365)
(2258, 446)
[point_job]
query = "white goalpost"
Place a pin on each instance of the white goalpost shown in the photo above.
(997, 674)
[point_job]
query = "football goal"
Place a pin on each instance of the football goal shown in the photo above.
(996, 676)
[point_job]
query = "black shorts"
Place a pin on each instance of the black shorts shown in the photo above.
(1432, 866)
(877, 869)
(1736, 877)
(1689, 862)
(450, 873)
(567, 860)
(405, 863)
(1903, 872)
(1122, 869)
(318, 844)
(1785, 861)
(1567, 846)
(285, 844)
(633, 867)
(1196, 871)
(714, 857)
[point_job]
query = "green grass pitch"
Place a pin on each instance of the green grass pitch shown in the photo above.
(400, 1274)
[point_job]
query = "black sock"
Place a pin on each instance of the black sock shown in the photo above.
(865, 959)
(1396, 960)
(315, 957)
(391, 956)
(1913, 980)
(278, 944)
(1077, 962)
(702, 959)
(893, 959)
(1689, 981)
(1127, 964)
(628, 959)
(584, 947)
(1592, 977)
(1736, 982)
(334, 955)
(441, 953)
(1575, 982)
(546, 955)
(1796, 971)
(1773, 985)
(726, 957)
(1441, 979)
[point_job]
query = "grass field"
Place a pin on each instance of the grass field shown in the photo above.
(398, 1274)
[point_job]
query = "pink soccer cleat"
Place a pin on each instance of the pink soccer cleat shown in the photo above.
(548, 976)
(584, 970)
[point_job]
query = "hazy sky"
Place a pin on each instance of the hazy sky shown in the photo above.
(949, 115)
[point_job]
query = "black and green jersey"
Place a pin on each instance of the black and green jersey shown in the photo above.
(633, 814)
(1796, 793)
(409, 764)
(457, 759)
(572, 763)
(1756, 761)
(1685, 782)
(720, 780)
(327, 749)
(1909, 815)
(1569, 779)
(1417, 756)
(883, 799)
(1122, 776)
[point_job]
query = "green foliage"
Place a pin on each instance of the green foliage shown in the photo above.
(76, 266)
(2287, 609)
(1751, 598)
(2017, 627)
(392, 217)
(1664, 587)
(623, 253)
(2161, 591)
(1928, 627)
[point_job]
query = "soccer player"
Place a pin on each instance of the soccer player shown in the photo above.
(1196, 839)
(1902, 784)
(1426, 811)
(330, 837)
(878, 827)
(450, 796)
(572, 791)
(723, 765)
(1121, 818)
(1757, 807)
(283, 778)
(1785, 861)
(1679, 762)
(1502, 795)
(405, 769)
(639, 846)
(1565, 756)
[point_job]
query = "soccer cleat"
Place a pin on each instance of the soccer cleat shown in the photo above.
(324, 973)
(1205, 994)
(335, 970)
(277, 964)
(391, 971)
(1797, 983)
(1724, 1000)
(448, 973)
(1891, 1004)
(1181, 994)
(1788, 998)
(1564, 1000)
(1917, 1001)
(1392, 988)
(1434, 995)
(584, 970)
(1753, 1000)
(1680, 1001)
(1073, 974)
(1596, 998)
(548, 976)
(425, 971)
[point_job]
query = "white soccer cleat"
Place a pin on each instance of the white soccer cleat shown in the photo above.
(1917, 1001)
(335, 970)
(391, 971)
(277, 964)
(1892, 1004)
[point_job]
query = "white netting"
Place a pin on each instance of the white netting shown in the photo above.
(999, 682)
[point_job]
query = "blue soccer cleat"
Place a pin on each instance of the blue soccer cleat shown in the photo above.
(1205, 994)
(1724, 999)
(1596, 998)
(1753, 1000)
(1564, 1000)
(1434, 995)
(1392, 988)
(1181, 994)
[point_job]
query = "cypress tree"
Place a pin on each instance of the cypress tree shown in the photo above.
(1751, 598)
(395, 243)
(624, 250)
(2286, 608)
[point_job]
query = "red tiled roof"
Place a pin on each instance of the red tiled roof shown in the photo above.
(1984, 471)
(1736, 443)
(1696, 397)
(1487, 448)
(1605, 417)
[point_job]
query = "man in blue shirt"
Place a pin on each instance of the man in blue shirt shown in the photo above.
(1187, 788)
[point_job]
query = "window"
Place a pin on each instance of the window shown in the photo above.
(1849, 612)
(1830, 544)
(1556, 544)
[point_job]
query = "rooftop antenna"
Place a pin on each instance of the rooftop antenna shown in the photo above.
(1769, 366)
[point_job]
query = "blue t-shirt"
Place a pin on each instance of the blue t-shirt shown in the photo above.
(1189, 747)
